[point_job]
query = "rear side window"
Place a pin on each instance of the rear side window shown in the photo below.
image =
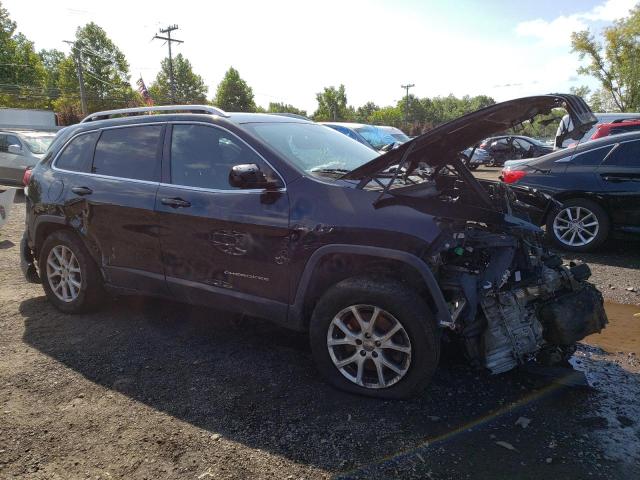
(626, 155)
(129, 152)
(77, 155)
(592, 157)
(202, 156)
(617, 130)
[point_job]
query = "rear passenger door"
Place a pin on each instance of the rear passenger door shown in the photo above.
(110, 198)
(620, 177)
(222, 246)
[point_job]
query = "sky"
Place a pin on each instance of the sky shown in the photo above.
(288, 50)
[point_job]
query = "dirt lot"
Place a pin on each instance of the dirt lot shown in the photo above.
(150, 389)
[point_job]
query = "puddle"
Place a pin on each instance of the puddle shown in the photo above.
(622, 333)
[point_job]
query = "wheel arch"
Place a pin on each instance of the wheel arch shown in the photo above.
(331, 264)
(580, 194)
(45, 225)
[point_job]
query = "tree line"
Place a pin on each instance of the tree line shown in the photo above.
(49, 79)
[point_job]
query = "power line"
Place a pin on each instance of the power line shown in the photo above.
(169, 40)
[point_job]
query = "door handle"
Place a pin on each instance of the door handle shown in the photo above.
(612, 179)
(81, 190)
(175, 202)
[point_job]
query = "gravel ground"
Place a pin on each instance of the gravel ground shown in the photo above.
(146, 389)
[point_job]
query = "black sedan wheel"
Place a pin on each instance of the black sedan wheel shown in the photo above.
(580, 225)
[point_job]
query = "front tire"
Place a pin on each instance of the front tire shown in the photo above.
(374, 337)
(579, 225)
(70, 278)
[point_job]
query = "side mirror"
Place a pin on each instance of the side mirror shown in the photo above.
(388, 147)
(15, 149)
(248, 176)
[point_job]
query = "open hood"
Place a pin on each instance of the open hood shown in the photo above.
(440, 145)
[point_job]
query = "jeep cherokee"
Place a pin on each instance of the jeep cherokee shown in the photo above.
(286, 219)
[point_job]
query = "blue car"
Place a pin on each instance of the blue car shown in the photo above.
(369, 135)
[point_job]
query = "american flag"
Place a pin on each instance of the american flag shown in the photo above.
(142, 88)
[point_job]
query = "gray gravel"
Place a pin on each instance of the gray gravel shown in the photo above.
(150, 389)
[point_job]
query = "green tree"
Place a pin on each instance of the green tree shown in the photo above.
(106, 72)
(51, 61)
(393, 116)
(278, 107)
(233, 93)
(189, 86)
(365, 112)
(22, 75)
(332, 105)
(614, 63)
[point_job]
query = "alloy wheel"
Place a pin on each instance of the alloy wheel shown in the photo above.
(575, 226)
(369, 346)
(63, 273)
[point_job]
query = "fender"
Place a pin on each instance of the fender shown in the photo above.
(295, 314)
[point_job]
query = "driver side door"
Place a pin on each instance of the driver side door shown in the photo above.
(221, 246)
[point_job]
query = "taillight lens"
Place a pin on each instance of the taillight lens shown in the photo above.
(512, 176)
(26, 177)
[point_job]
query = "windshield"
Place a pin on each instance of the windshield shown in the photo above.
(312, 147)
(38, 144)
(375, 136)
(400, 137)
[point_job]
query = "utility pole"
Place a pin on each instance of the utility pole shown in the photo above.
(77, 53)
(406, 103)
(168, 39)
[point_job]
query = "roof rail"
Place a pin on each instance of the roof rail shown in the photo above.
(207, 109)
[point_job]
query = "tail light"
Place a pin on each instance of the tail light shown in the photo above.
(512, 176)
(27, 176)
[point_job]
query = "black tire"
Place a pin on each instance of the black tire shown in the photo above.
(408, 309)
(91, 293)
(602, 218)
(472, 166)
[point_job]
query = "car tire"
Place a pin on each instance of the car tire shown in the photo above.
(592, 220)
(472, 166)
(70, 277)
(404, 373)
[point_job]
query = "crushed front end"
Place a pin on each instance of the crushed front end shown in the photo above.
(511, 299)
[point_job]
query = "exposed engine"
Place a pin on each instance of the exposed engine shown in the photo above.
(511, 300)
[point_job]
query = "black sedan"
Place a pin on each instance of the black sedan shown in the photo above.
(598, 183)
(513, 147)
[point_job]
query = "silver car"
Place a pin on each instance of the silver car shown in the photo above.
(19, 150)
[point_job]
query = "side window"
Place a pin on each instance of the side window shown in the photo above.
(202, 156)
(626, 155)
(77, 155)
(129, 152)
(4, 145)
(13, 140)
(592, 157)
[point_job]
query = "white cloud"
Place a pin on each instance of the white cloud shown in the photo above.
(557, 32)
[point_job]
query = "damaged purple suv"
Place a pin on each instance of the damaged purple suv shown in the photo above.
(282, 218)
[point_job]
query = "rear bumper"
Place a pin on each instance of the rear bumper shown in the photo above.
(27, 261)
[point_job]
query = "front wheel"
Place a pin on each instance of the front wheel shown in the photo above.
(374, 337)
(579, 225)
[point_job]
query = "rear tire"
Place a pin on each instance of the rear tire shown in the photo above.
(393, 367)
(70, 278)
(577, 220)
